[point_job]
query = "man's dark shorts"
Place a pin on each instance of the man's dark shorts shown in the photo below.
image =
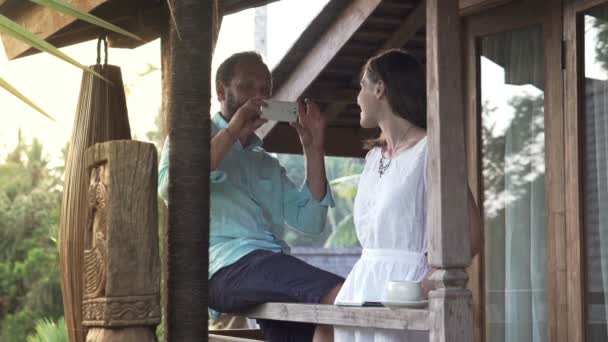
(264, 276)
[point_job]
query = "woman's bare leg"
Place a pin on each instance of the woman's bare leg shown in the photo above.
(325, 333)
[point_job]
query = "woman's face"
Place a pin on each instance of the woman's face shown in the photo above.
(369, 102)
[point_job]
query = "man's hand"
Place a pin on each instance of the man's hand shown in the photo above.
(247, 119)
(310, 126)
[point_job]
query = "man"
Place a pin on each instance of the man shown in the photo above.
(252, 200)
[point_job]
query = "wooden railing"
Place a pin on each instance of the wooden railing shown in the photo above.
(369, 317)
(449, 315)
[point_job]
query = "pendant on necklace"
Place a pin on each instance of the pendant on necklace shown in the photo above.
(383, 167)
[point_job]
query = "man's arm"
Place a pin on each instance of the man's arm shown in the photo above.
(220, 145)
(244, 122)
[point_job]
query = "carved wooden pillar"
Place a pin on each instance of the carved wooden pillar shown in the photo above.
(449, 235)
(121, 294)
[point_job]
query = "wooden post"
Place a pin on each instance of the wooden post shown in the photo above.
(121, 262)
(188, 50)
(450, 317)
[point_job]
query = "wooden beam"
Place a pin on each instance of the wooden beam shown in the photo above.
(326, 49)
(372, 317)
(319, 56)
(402, 35)
(468, 7)
(574, 142)
(414, 22)
(333, 94)
(476, 271)
(446, 162)
(143, 18)
(42, 21)
(407, 30)
(349, 144)
(449, 235)
(189, 93)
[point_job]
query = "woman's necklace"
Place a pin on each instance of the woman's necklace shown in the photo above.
(383, 165)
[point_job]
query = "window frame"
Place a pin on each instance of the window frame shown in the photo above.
(512, 16)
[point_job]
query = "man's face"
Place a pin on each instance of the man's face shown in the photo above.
(251, 80)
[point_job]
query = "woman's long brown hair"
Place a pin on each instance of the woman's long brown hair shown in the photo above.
(405, 87)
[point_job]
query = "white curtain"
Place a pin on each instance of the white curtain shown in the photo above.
(596, 207)
(514, 189)
(525, 230)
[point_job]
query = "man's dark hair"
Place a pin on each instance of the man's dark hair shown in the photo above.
(225, 72)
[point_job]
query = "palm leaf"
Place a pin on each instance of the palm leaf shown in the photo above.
(21, 97)
(63, 7)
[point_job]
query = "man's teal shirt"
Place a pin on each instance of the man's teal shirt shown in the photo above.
(252, 200)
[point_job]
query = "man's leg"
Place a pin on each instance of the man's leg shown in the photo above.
(264, 276)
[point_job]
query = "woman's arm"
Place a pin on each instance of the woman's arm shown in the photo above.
(475, 226)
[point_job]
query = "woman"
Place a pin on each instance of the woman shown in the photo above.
(390, 207)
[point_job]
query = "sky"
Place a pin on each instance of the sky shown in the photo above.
(54, 85)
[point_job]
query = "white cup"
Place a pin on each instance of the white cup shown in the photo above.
(403, 291)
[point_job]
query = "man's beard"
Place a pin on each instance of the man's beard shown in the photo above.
(232, 105)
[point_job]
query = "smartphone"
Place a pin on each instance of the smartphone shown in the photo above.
(285, 111)
(372, 304)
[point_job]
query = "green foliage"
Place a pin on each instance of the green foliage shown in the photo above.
(526, 130)
(30, 201)
(599, 23)
(49, 331)
(343, 175)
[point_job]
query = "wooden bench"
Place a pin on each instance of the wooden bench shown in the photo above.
(369, 317)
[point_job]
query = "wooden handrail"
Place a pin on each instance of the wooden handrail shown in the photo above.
(370, 317)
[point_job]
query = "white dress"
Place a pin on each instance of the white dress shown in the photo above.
(390, 219)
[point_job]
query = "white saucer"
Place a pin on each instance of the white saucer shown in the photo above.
(407, 304)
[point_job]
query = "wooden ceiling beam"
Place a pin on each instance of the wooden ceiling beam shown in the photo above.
(468, 7)
(327, 47)
(332, 94)
(341, 141)
(404, 33)
(322, 53)
(143, 17)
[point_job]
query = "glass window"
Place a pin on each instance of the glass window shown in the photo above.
(596, 170)
(513, 167)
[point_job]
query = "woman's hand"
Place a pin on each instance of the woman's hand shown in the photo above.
(310, 126)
